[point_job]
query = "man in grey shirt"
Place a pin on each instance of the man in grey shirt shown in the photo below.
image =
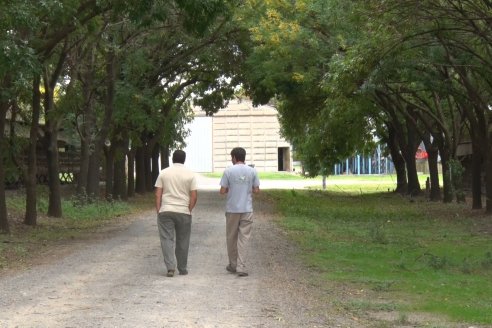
(239, 182)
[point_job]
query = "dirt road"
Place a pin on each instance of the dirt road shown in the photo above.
(120, 281)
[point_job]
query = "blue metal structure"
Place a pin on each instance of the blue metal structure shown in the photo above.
(374, 163)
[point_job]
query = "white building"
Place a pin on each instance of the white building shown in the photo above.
(256, 129)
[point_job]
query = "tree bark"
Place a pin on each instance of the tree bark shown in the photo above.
(131, 172)
(88, 120)
(432, 162)
(148, 168)
(435, 190)
(476, 179)
(51, 147)
(140, 184)
(488, 183)
(4, 106)
(95, 159)
(30, 217)
(398, 161)
(164, 156)
(409, 148)
(120, 189)
(109, 152)
(155, 163)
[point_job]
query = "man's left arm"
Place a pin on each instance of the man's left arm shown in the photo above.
(193, 199)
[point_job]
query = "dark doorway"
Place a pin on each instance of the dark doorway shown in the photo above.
(283, 158)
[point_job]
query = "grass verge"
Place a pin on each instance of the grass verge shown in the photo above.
(422, 256)
(80, 220)
(266, 175)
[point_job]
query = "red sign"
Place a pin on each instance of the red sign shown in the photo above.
(421, 154)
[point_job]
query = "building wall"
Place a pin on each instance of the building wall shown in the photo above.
(256, 129)
(199, 145)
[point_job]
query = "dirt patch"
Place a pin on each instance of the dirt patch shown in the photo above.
(21, 252)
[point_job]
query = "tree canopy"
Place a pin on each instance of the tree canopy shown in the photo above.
(120, 78)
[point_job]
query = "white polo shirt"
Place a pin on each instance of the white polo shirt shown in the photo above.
(176, 181)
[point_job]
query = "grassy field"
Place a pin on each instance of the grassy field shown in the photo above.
(266, 175)
(417, 256)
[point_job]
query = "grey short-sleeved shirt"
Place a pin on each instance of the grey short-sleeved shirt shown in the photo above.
(240, 180)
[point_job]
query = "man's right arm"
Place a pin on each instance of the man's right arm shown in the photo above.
(223, 183)
(158, 198)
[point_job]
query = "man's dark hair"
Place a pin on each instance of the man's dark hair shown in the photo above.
(239, 153)
(179, 156)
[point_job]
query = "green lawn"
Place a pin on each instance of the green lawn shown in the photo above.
(423, 256)
(265, 175)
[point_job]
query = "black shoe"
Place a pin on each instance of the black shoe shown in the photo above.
(242, 274)
(230, 269)
(170, 273)
(183, 272)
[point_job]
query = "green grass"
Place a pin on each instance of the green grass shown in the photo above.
(266, 175)
(345, 183)
(425, 256)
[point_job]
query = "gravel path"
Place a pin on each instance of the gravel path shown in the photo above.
(119, 281)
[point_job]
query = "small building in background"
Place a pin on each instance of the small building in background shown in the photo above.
(256, 129)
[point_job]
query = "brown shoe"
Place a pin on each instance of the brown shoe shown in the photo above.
(242, 274)
(230, 269)
(170, 273)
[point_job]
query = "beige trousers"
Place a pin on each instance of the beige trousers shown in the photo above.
(238, 232)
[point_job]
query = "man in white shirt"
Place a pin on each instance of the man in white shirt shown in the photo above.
(175, 198)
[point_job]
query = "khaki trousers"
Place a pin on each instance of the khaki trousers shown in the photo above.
(238, 232)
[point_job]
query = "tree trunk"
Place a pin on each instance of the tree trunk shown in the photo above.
(409, 150)
(30, 217)
(109, 152)
(148, 168)
(412, 176)
(95, 159)
(83, 174)
(4, 105)
(432, 161)
(51, 133)
(86, 143)
(51, 144)
(88, 122)
(398, 161)
(131, 172)
(94, 176)
(435, 190)
(155, 163)
(476, 183)
(164, 157)
(120, 190)
(488, 182)
(140, 185)
(446, 177)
